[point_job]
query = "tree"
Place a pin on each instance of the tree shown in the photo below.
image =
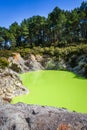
(36, 25)
(61, 28)
(2, 41)
(25, 32)
(57, 20)
(12, 41)
(83, 20)
(15, 30)
(4, 33)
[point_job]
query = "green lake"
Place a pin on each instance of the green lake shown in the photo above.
(55, 88)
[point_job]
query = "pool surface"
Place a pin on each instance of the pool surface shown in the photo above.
(55, 88)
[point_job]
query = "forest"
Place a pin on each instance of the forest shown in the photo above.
(61, 28)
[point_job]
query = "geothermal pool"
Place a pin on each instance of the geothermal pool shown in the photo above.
(55, 88)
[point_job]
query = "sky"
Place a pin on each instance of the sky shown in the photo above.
(17, 10)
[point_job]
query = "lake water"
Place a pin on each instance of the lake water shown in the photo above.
(55, 88)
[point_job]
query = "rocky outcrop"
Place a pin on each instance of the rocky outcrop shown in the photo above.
(74, 63)
(32, 117)
(80, 63)
(34, 62)
(52, 64)
(17, 63)
(45, 62)
(10, 85)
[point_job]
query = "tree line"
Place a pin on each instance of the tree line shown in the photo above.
(61, 28)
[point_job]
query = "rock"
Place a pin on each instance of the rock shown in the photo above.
(39, 58)
(50, 65)
(9, 95)
(61, 65)
(9, 90)
(34, 63)
(6, 99)
(10, 84)
(33, 117)
(1, 92)
(17, 63)
(77, 64)
(54, 64)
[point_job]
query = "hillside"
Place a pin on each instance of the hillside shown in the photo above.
(72, 58)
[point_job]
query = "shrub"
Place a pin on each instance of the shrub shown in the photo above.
(50, 65)
(3, 63)
(51, 50)
(6, 53)
(46, 50)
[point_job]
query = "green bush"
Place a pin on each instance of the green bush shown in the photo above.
(3, 63)
(6, 53)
